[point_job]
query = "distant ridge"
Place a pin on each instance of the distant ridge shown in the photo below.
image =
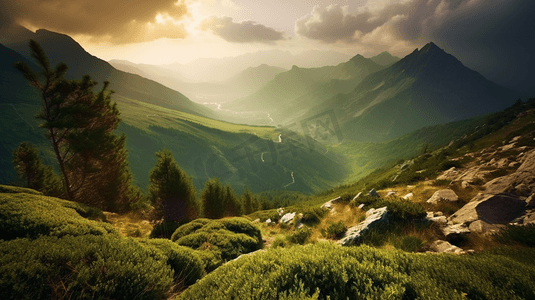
(427, 87)
(62, 48)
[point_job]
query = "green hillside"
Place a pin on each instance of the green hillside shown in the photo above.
(298, 89)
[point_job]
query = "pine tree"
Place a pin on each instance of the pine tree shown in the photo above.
(247, 200)
(212, 199)
(230, 203)
(34, 172)
(80, 126)
(171, 190)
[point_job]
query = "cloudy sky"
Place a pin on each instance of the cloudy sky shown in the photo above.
(494, 37)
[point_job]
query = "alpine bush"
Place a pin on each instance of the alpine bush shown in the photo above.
(328, 271)
(81, 267)
(185, 262)
(26, 215)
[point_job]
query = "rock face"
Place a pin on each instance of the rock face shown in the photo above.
(443, 195)
(374, 218)
(441, 246)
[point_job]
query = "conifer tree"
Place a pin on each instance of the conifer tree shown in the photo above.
(80, 125)
(212, 199)
(230, 203)
(171, 190)
(247, 200)
(35, 174)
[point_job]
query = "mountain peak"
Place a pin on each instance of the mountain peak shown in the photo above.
(357, 57)
(430, 47)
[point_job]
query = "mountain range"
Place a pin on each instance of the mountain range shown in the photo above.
(242, 84)
(62, 48)
(427, 87)
(156, 117)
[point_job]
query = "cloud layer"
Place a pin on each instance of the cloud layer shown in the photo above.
(241, 32)
(113, 20)
(494, 37)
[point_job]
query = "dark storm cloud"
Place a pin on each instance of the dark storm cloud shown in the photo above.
(118, 21)
(496, 38)
(242, 32)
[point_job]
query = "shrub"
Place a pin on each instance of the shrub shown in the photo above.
(225, 238)
(280, 241)
(327, 271)
(312, 215)
(17, 189)
(524, 235)
(185, 262)
(26, 215)
(300, 236)
(189, 228)
(336, 230)
(163, 230)
(82, 267)
(408, 243)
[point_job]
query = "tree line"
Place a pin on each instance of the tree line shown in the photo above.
(93, 160)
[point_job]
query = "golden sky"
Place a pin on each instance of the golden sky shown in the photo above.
(166, 31)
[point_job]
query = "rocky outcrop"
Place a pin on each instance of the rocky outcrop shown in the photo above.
(443, 195)
(505, 200)
(375, 218)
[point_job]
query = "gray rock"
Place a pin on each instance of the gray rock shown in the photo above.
(455, 230)
(493, 209)
(441, 246)
(483, 227)
(287, 217)
(525, 174)
(409, 196)
(361, 206)
(373, 193)
(375, 218)
(443, 195)
(268, 221)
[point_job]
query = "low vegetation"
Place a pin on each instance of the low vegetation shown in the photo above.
(326, 271)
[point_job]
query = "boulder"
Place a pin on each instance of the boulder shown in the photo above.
(465, 184)
(268, 221)
(441, 246)
(483, 227)
(525, 174)
(438, 218)
(454, 231)
(443, 195)
(373, 193)
(375, 218)
(287, 217)
(493, 209)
